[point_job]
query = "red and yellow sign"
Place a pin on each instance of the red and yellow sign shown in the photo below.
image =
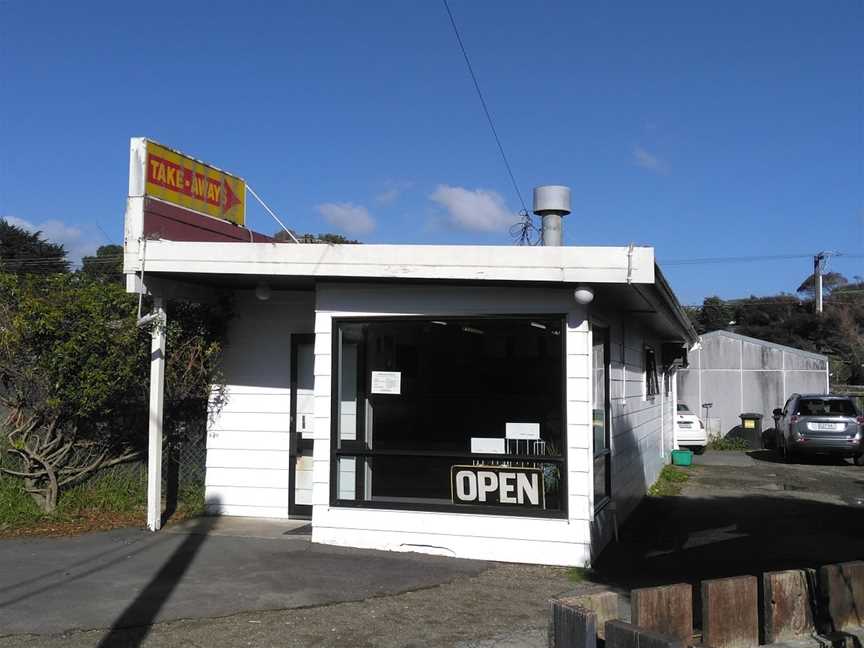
(184, 181)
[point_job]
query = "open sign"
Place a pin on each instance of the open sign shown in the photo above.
(497, 485)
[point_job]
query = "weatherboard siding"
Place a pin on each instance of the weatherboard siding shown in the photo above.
(505, 538)
(248, 456)
(641, 427)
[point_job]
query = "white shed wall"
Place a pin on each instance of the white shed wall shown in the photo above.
(247, 441)
(739, 374)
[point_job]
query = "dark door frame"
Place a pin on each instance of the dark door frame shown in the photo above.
(297, 444)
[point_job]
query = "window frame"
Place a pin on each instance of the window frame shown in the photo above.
(606, 452)
(649, 373)
(336, 452)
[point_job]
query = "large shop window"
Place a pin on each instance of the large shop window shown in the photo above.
(450, 414)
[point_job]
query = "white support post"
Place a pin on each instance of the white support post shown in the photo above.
(818, 261)
(157, 393)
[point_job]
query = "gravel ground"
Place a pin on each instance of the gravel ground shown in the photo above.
(504, 607)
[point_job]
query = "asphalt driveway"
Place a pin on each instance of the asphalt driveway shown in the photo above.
(742, 514)
(210, 568)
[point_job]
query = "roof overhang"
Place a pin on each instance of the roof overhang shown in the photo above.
(419, 262)
(624, 278)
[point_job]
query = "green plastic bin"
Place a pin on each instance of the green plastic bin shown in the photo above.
(682, 457)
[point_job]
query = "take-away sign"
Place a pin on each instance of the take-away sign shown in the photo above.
(184, 181)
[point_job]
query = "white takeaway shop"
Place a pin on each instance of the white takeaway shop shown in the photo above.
(497, 402)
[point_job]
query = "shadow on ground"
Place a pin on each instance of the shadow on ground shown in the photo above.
(772, 456)
(688, 539)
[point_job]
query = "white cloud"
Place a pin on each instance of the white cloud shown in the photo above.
(478, 210)
(646, 160)
(347, 217)
(387, 197)
(77, 242)
(393, 191)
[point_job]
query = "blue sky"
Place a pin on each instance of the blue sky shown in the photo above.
(705, 129)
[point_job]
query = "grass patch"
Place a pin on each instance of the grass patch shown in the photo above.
(121, 489)
(192, 501)
(670, 482)
(17, 508)
(114, 498)
(578, 574)
(728, 444)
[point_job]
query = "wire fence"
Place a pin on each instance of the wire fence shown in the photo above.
(184, 459)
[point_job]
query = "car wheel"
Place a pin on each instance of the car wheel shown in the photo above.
(859, 460)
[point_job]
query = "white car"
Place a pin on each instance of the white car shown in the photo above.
(690, 431)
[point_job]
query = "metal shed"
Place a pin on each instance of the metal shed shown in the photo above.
(743, 374)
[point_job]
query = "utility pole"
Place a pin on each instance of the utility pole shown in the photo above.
(817, 278)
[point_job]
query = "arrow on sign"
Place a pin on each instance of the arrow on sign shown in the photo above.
(230, 198)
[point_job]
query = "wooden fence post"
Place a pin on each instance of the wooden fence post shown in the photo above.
(667, 610)
(787, 606)
(730, 612)
(571, 626)
(842, 593)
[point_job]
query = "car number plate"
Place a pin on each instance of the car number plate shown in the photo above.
(828, 427)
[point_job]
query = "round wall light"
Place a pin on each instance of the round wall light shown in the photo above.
(262, 291)
(583, 295)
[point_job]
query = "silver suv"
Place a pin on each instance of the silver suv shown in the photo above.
(820, 424)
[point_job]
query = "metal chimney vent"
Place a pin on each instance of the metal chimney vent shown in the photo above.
(552, 203)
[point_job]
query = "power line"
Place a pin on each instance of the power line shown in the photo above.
(485, 107)
(738, 259)
(750, 259)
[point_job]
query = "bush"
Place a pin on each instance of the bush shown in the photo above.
(73, 374)
(728, 444)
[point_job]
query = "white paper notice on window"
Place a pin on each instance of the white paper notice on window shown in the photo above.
(527, 431)
(386, 382)
(487, 445)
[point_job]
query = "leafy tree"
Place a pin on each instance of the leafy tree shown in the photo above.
(330, 238)
(786, 319)
(106, 265)
(74, 376)
(714, 315)
(27, 252)
(315, 238)
(830, 282)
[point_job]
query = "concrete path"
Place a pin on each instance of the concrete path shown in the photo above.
(208, 568)
(723, 458)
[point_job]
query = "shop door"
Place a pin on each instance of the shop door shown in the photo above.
(302, 409)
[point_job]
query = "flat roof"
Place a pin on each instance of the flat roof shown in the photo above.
(564, 264)
(766, 343)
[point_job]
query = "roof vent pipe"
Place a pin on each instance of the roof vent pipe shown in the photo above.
(552, 203)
